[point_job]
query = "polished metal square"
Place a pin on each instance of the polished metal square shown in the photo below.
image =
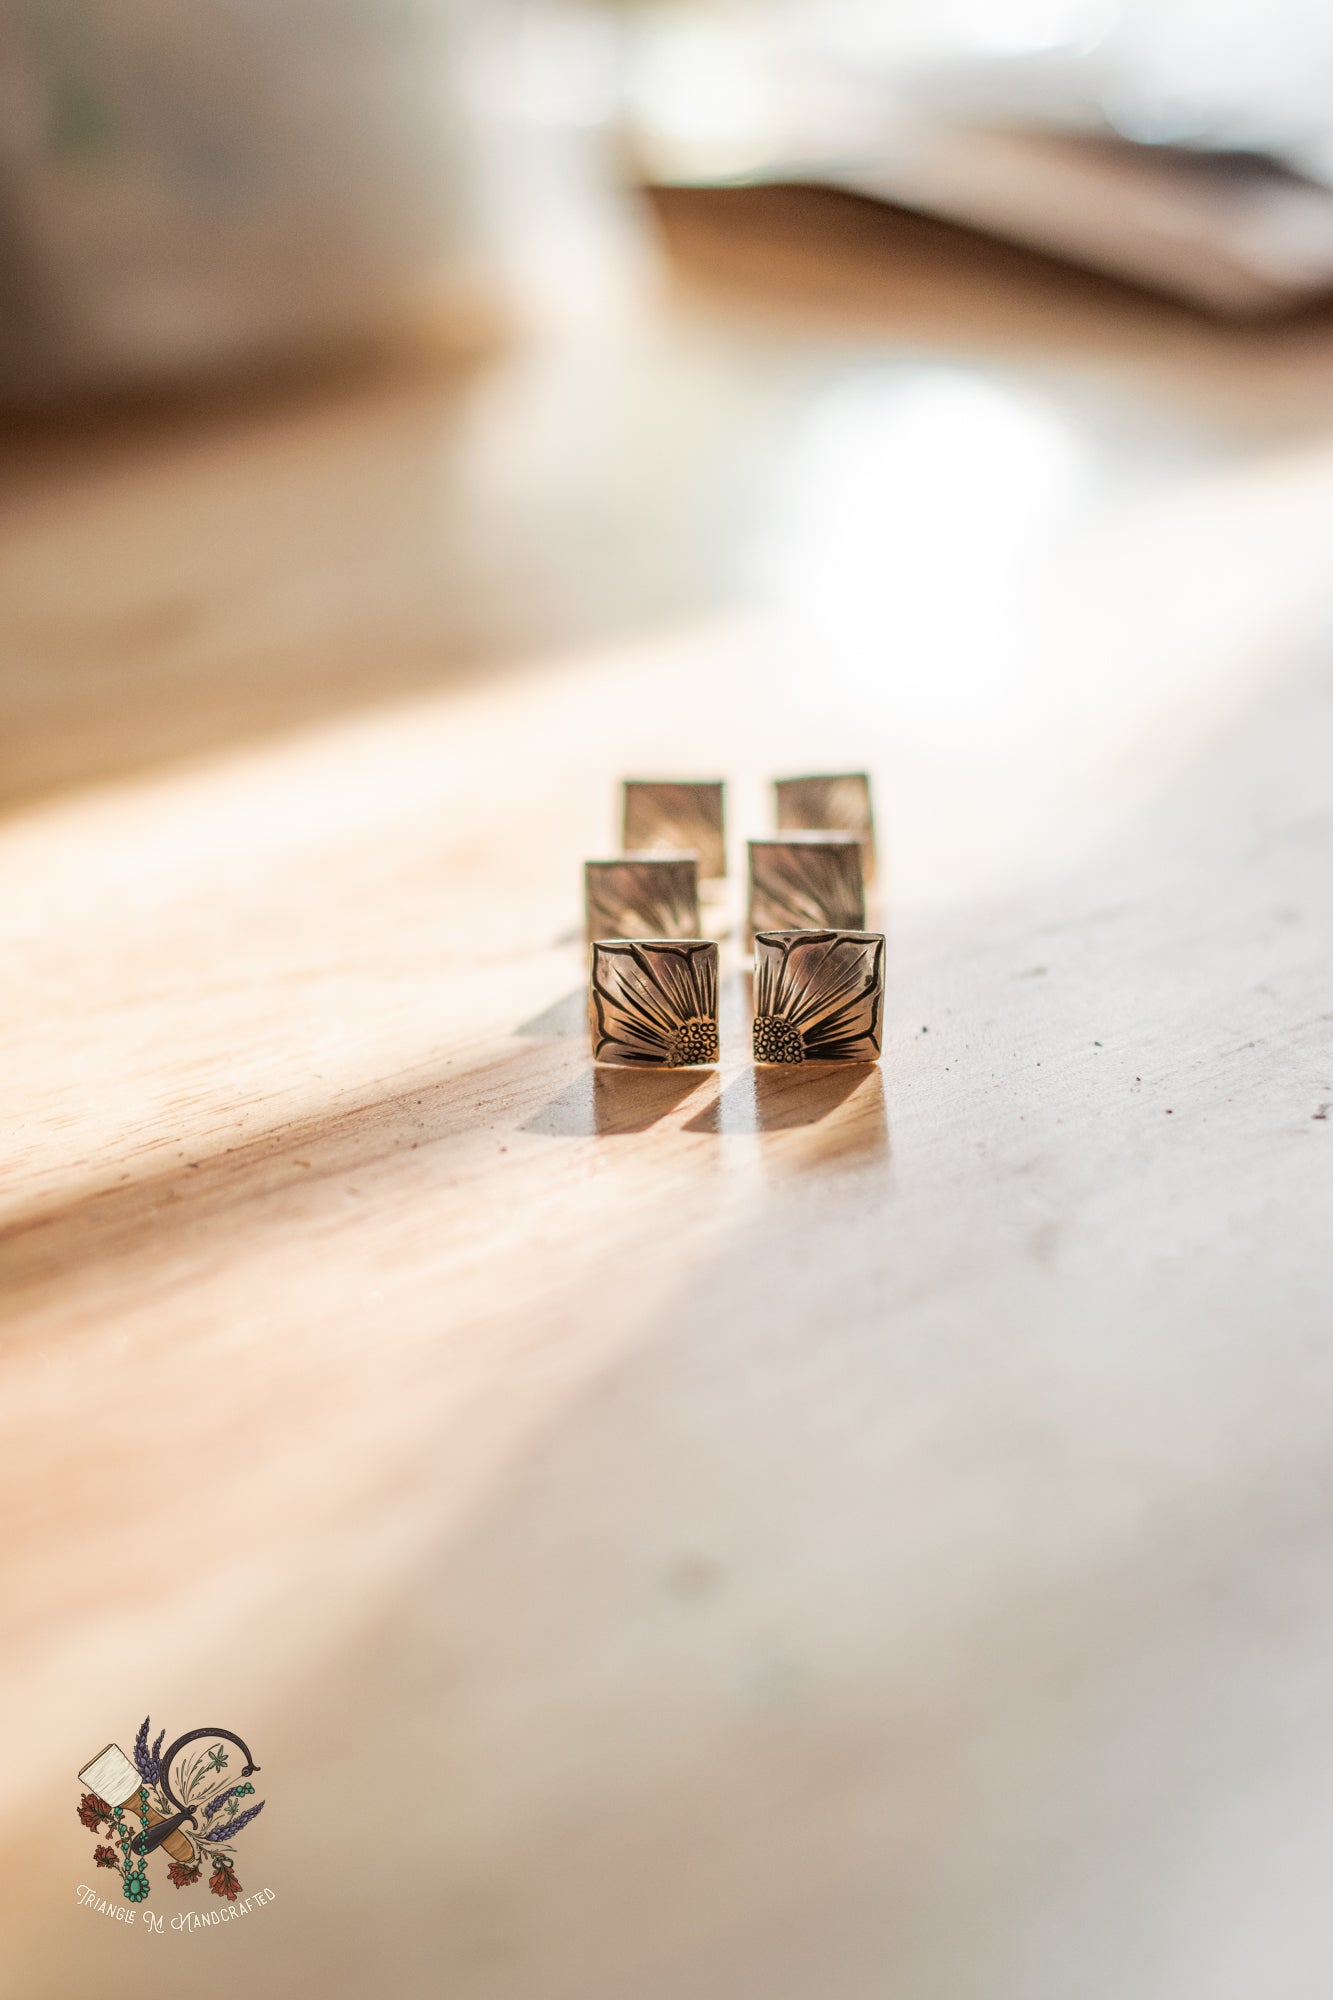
(642, 895)
(818, 996)
(652, 1002)
(839, 804)
(806, 881)
(678, 816)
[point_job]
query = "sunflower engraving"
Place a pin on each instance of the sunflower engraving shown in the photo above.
(684, 816)
(806, 881)
(653, 1002)
(642, 896)
(832, 804)
(818, 996)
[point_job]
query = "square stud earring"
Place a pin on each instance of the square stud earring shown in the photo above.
(818, 996)
(835, 805)
(806, 881)
(679, 817)
(652, 1002)
(641, 895)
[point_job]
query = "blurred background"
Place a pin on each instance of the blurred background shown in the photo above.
(708, 283)
(905, 1570)
(185, 195)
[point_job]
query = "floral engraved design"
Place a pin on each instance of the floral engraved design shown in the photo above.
(818, 996)
(642, 896)
(679, 816)
(806, 881)
(834, 804)
(653, 1002)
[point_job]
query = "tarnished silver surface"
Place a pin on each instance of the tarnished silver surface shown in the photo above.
(839, 804)
(641, 896)
(677, 815)
(652, 1002)
(818, 996)
(806, 881)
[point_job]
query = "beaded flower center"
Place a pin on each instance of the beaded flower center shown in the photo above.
(694, 1041)
(776, 1040)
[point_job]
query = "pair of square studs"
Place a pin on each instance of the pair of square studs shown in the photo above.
(819, 975)
(818, 997)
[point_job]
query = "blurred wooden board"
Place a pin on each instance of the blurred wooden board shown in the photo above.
(686, 1536)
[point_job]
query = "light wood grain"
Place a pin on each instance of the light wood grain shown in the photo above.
(741, 1535)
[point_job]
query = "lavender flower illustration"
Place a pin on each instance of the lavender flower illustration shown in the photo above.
(224, 1835)
(148, 1761)
(220, 1799)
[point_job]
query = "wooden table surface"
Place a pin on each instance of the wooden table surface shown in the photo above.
(702, 1538)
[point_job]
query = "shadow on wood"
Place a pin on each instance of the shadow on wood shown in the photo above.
(564, 1019)
(610, 1103)
(847, 1099)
